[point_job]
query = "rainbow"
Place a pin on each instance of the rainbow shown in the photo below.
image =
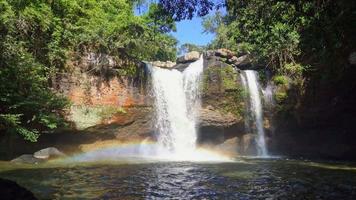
(139, 151)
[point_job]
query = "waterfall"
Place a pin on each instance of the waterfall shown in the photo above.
(250, 82)
(177, 100)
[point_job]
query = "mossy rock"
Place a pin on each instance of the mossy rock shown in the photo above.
(280, 96)
(85, 116)
(220, 79)
(280, 80)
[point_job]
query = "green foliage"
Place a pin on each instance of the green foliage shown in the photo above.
(293, 69)
(280, 80)
(27, 105)
(284, 34)
(229, 78)
(187, 47)
(38, 38)
(266, 29)
(280, 96)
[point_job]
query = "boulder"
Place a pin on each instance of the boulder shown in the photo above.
(11, 190)
(167, 64)
(225, 53)
(210, 117)
(209, 53)
(47, 153)
(240, 61)
(28, 159)
(189, 57)
(248, 144)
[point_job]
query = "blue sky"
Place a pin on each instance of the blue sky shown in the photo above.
(191, 31)
(188, 31)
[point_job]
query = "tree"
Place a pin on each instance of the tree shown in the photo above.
(38, 38)
(187, 47)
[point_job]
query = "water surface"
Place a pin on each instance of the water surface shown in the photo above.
(245, 179)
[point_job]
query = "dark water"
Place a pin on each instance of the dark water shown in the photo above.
(249, 179)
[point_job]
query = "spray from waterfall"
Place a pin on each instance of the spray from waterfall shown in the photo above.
(250, 82)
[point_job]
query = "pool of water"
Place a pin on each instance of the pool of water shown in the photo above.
(244, 179)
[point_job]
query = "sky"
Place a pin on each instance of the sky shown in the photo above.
(191, 31)
(188, 31)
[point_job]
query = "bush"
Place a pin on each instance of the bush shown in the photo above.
(280, 96)
(280, 80)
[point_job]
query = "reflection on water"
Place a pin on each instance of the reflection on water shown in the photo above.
(252, 179)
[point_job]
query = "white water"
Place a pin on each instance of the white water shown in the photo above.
(177, 100)
(249, 80)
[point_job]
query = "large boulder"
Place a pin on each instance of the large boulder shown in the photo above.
(189, 57)
(11, 190)
(240, 62)
(225, 53)
(47, 153)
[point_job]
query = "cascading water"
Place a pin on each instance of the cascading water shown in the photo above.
(177, 100)
(249, 80)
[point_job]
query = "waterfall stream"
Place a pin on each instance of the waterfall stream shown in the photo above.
(250, 82)
(177, 100)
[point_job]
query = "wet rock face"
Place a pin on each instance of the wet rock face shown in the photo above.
(210, 117)
(133, 125)
(248, 145)
(230, 146)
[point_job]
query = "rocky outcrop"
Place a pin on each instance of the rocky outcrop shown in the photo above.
(10, 190)
(229, 57)
(189, 57)
(167, 64)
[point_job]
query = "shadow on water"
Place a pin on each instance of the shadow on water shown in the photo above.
(251, 179)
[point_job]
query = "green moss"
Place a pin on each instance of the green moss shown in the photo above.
(229, 78)
(280, 80)
(233, 102)
(280, 96)
(294, 69)
(86, 116)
